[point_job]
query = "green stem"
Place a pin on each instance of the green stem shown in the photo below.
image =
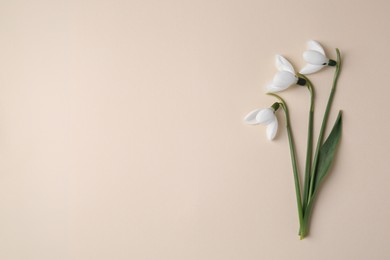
(293, 160)
(324, 123)
(309, 150)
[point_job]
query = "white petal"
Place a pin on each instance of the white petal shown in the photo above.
(315, 46)
(250, 118)
(315, 58)
(310, 68)
(265, 116)
(284, 79)
(272, 129)
(273, 88)
(282, 64)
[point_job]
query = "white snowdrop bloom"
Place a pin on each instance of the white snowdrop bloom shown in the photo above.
(264, 116)
(285, 77)
(316, 58)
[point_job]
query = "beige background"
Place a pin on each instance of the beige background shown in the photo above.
(121, 133)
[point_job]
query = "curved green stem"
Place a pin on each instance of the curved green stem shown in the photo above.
(293, 159)
(309, 150)
(324, 123)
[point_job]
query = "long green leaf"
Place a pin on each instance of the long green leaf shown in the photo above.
(325, 159)
(327, 152)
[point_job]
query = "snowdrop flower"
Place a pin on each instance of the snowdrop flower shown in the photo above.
(285, 77)
(265, 116)
(316, 58)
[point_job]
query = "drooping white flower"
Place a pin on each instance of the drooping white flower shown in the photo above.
(285, 77)
(316, 58)
(264, 116)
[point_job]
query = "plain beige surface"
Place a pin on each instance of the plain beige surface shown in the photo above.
(121, 133)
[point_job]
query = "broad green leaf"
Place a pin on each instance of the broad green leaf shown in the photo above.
(327, 152)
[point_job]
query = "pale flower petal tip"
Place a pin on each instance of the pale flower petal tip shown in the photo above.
(250, 118)
(310, 68)
(282, 64)
(272, 88)
(272, 129)
(315, 46)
